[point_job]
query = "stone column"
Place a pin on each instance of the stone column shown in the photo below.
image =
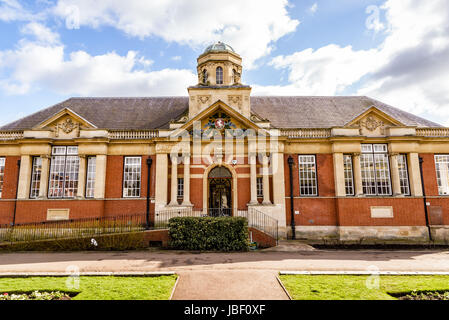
(174, 181)
(277, 169)
(24, 177)
(395, 181)
(186, 199)
(266, 181)
(339, 175)
(253, 178)
(161, 180)
(81, 176)
(252, 147)
(414, 175)
(100, 176)
(43, 187)
(357, 175)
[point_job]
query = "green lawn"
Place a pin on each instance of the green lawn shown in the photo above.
(345, 287)
(97, 288)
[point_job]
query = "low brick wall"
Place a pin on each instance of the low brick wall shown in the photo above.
(156, 238)
(263, 240)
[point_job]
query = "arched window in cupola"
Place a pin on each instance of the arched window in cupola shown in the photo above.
(219, 75)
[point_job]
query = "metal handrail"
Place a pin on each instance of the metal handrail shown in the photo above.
(261, 221)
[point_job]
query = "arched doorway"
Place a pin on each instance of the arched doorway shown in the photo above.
(220, 192)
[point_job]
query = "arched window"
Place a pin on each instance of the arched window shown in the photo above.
(204, 76)
(219, 75)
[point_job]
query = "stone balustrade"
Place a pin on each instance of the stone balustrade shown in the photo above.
(133, 134)
(306, 133)
(11, 135)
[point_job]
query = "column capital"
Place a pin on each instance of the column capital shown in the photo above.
(394, 154)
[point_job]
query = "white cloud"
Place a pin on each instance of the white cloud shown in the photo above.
(408, 70)
(34, 66)
(11, 10)
(250, 26)
(40, 32)
(313, 8)
(176, 58)
(325, 71)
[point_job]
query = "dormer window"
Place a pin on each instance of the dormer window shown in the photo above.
(219, 75)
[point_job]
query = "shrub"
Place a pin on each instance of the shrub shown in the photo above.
(209, 233)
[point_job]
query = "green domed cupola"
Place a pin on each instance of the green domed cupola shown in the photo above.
(218, 47)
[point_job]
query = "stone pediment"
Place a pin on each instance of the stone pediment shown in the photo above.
(66, 124)
(373, 123)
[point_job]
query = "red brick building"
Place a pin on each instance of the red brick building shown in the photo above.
(361, 170)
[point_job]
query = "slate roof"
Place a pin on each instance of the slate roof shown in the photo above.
(156, 112)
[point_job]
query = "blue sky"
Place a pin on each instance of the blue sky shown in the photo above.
(52, 50)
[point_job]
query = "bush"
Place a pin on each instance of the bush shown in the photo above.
(209, 233)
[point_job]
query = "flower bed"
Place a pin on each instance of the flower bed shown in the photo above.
(427, 295)
(35, 295)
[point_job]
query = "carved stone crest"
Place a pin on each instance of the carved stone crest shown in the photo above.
(67, 126)
(371, 124)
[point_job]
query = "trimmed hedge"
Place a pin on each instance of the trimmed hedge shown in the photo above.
(209, 233)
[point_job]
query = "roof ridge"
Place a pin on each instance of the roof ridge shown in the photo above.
(152, 97)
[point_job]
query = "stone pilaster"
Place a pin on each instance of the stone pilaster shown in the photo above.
(100, 176)
(81, 176)
(414, 175)
(161, 180)
(186, 199)
(174, 181)
(43, 187)
(357, 175)
(266, 180)
(339, 175)
(24, 177)
(395, 180)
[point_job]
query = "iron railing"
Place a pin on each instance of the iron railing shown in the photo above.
(162, 217)
(73, 228)
(89, 227)
(261, 221)
(220, 212)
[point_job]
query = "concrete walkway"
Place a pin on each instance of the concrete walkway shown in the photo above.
(248, 275)
(228, 285)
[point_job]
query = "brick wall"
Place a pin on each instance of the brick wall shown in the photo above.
(9, 190)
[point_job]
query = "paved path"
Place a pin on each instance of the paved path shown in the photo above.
(229, 275)
(228, 285)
